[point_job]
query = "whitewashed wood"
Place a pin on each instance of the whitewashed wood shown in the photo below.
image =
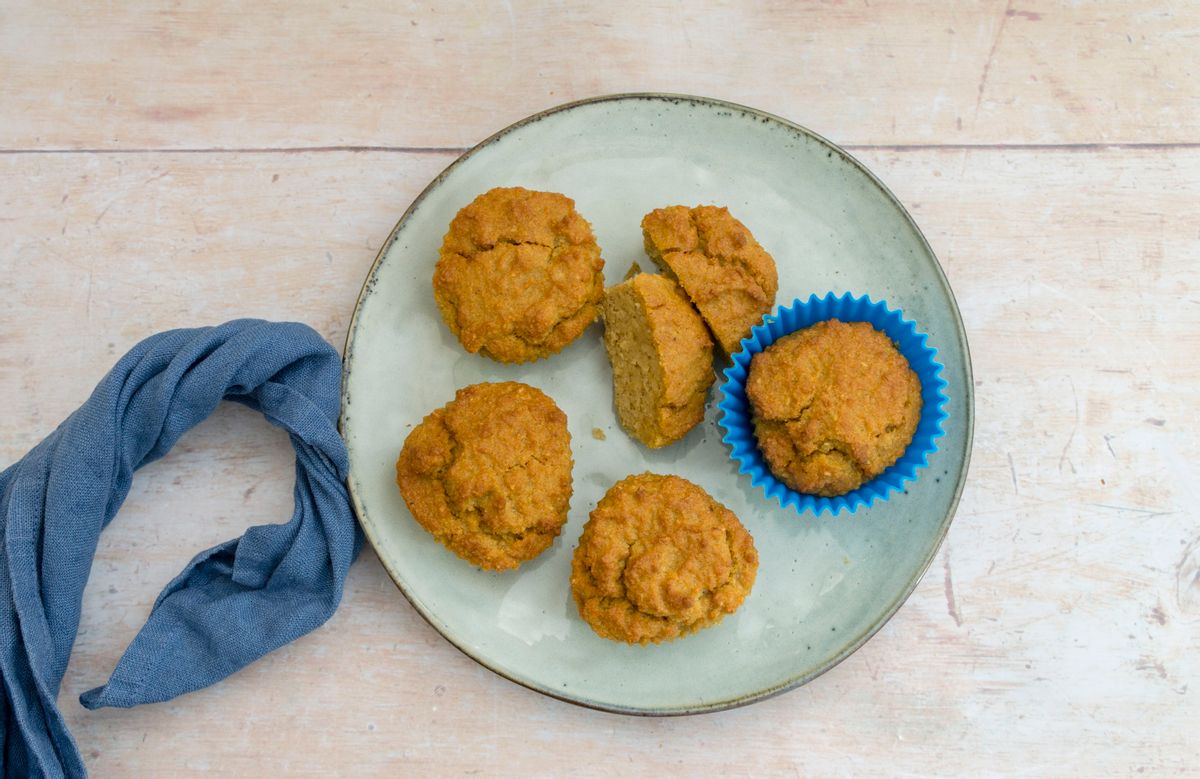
(276, 73)
(1054, 636)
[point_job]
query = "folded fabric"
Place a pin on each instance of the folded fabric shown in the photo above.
(233, 603)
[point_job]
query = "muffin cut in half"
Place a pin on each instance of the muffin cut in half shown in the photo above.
(730, 278)
(661, 357)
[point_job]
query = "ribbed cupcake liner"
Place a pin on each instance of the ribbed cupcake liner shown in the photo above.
(736, 419)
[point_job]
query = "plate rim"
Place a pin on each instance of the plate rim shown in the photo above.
(906, 591)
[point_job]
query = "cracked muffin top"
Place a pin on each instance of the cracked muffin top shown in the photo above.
(519, 275)
(729, 277)
(659, 559)
(833, 405)
(489, 473)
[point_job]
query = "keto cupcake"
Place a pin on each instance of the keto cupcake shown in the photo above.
(833, 406)
(489, 474)
(659, 558)
(519, 275)
(840, 415)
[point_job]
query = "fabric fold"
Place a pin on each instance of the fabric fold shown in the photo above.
(232, 603)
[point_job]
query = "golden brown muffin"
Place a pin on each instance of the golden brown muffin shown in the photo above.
(658, 559)
(519, 275)
(489, 474)
(834, 405)
(729, 277)
(661, 358)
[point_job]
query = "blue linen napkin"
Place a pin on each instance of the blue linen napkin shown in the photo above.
(231, 604)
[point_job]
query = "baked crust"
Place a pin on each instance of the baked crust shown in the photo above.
(519, 275)
(489, 474)
(729, 277)
(833, 406)
(659, 559)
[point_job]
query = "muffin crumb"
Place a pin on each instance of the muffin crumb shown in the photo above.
(661, 358)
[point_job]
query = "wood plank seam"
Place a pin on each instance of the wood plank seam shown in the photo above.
(896, 147)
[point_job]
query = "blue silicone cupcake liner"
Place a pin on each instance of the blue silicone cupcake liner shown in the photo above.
(739, 428)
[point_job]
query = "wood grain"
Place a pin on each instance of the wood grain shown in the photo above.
(187, 163)
(1055, 635)
(880, 72)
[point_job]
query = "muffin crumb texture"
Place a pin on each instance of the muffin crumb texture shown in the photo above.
(519, 275)
(833, 406)
(489, 474)
(659, 559)
(661, 358)
(729, 277)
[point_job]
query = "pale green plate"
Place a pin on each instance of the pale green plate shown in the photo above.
(825, 585)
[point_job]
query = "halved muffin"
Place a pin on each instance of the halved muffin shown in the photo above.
(729, 277)
(661, 357)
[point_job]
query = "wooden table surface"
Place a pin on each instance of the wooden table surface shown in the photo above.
(184, 165)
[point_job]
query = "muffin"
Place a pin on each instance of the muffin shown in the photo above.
(519, 275)
(659, 559)
(833, 406)
(489, 474)
(661, 358)
(730, 278)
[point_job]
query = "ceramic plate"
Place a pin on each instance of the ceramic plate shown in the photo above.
(825, 585)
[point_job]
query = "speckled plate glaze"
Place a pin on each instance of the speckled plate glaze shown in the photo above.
(825, 585)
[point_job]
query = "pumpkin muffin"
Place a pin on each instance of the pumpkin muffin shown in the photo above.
(489, 474)
(519, 275)
(730, 278)
(661, 358)
(659, 559)
(833, 406)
